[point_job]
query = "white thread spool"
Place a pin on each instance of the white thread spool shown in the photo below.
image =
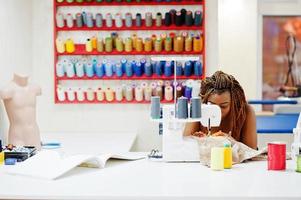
(118, 94)
(129, 93)
(79, 69)
(60, 20)
(118, 20)
(60, 92)
(90, 94)
(70, 70)
(69, 20)
(138, 93)
(109, 20)
(70, 94)
(80, 94)
(60, 71)
(168, 93)
(147, 93)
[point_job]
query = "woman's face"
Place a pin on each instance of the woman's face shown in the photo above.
(223, 100)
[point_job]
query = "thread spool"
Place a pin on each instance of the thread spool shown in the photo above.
(167, 69)
(114, 35)
(70, 72)
(178, 19)
(118, 20)
(159, 92)
(80, 95)
(60, 22)
(158, 45)
(69, 20)
(188, 92)
(109, 44)
(178, 44)
(188, 44)
(182, 108)
(60, 71)
(100, 47)
(89, 46)
(154, 38)
(167, 19)
(89, 20)
(118, 94)
(173, 16)
(109, 20)
(179, 91)
(155, 107)
(227, 156)
(70, 48)
(168, 93)
(198, 71)
(129, 93)
(79, 20)
(128, 70)
(89, 70)
(60, 46)
(118, 70)
(298, 159)
(148, 69)
(90, 94)
(159, 68)
(138, 94)
(138, 21)
(153, 86)
(195, 108)
(128, 20)
(189, 19)
(183, 15)
(128, 44)
(134, 39)
(60, 93)
(138, 69)
(100, 95)
(217, 158)
(108, 69)
(197, 44)
(109, 93)
(147, 45)
(159, 19)
(188, 68)
(148, 19)
(84, 14)
(179, 69)
(147, 93)
(198, 18)
(276, 156)
(98, 20)
(99, 70)
(94, 42)
(70, 94)
(168, 44)
(139, 45)
(119, 44)
(196, 89)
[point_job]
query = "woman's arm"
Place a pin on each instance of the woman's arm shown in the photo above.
(249, 133)
(191, 128)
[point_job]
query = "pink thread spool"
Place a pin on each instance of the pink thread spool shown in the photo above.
(276, 156)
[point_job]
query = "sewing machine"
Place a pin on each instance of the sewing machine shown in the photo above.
(179, 148)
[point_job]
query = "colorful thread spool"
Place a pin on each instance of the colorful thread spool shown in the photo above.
(100, 95)
(182, 108)
(155, 107)
(80, 94)
(195, 108)
(198, 44)
(227, 156)
(70, 94)
(70, 48)
(98, 20)
(168, 93)
(60, 93)
(276, 156)
(60, 20)
(109, 94)
(79, 20)
(89, 46)
(60, 71)
(138, 94)
(60, 46)
(217, 158)
(89, 70)
(129, 93)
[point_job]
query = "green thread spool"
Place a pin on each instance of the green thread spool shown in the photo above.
(70, 1)
(79, 1)
(109, 1)
(99, 1)
(129, 1)
(298, 163)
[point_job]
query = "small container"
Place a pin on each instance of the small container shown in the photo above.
(227, 156)
(298, 163)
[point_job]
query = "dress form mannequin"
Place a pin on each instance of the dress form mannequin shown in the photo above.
(19, 98)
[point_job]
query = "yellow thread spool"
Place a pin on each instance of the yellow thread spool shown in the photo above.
(89, 46)
(188, 44)
(217, 158)
(168, 44)
(139, 45)
(100, 95)
(158, 45)
(1, 158)
(70, 48)
(119, 44)
(94, 42)
(109, 94)
(109, 44)
(134, 38)
(198, 44)
(100, 45)
(128, 44)
(178, 44)
(60, 46)
(227, 156)
(148, 45)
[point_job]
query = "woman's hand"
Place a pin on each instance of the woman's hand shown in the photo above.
(219, 133)
(199, 134)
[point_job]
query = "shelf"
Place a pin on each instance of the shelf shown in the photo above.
(124, 77)
(80, 50)
(134, 28)
(95, 101)
(176, 120)
(143, 3)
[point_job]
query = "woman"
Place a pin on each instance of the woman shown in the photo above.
(238, 118)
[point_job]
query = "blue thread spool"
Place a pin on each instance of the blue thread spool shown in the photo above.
(118, 69)
(198, 68)
(79, 69)
(99, 70)
(142, 61)
(159, 70)
(167, 69)
(182, 108)
(138, 69)
(84, 14)
(179, 69)
(109, 69)
(89, 20)
(89, 69)
(187, 92)
(60, 70)
(155, 107)
(188, 68)
(10, 161)
(148, 69)
(195, 107)
(128, 70)
(123, 64)
(153, 64)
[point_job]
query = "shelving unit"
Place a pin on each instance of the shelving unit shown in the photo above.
(80, 48)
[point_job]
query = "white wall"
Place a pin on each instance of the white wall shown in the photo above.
(15, 44)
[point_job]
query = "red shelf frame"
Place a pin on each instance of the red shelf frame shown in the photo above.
(95, 101)
(124, 77)
(80, 49)
(132, 28)
(143, 3)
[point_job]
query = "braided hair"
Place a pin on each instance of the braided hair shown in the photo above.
(219, 83)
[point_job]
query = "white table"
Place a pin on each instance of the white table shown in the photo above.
(144, 180)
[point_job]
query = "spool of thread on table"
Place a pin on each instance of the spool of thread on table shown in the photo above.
(118, 20)
(100, 95)
(138, 21)
(217, 158)
(60, 22)
(195, 108)
(98, 20)
(276, 156)
(227, 156)
(155, 107)
(182, 108)
(60, 45)
(298, 168)
(168, 93)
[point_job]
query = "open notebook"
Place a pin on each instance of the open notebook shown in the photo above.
(51, 165)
